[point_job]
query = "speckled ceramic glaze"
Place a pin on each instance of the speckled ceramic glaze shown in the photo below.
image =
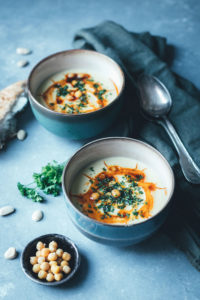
(118, 235)
(78, 126)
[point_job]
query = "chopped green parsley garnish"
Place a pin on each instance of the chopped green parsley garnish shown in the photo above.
(62, 91)
(80, 85)
(100, 94)
(139, 177)
(135, 213)
(106, 201)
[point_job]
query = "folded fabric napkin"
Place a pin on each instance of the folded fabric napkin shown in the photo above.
(144, 53)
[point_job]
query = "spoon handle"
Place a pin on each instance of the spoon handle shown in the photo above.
(190, 170)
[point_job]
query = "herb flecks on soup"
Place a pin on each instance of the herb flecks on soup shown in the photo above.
(75, 93)
(117, 195)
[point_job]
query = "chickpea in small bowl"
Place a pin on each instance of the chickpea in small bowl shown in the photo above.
(50, 259)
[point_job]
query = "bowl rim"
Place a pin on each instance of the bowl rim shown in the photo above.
(47, 110)
(53, 283)
(114, 139)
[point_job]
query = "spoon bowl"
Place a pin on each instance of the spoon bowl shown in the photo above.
(155, 98)
(156, 102)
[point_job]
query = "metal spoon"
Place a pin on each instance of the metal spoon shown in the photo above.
(156, 102)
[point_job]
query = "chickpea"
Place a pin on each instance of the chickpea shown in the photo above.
(38, 253)
(42, 274)
(74, 82)
(50, 277)
(52, 248)
(70, 75)
(52, 256)
(66, 269)
(69, 97)
(58, 276)
(45, 266)
(53, 262)
(59, 252)
(78, 94)
(80, 75)
(40, 246)
(102, 176)
(55, 269)
(66, 256)
(94, 196)
(45, 252)
(91, 89)
(111, 182)
(33, 260)
(64, 263)
(115, 193)
(53, 244)
(41, 259)
(36, 268)
(113, 169)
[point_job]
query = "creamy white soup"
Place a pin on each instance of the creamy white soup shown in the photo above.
(77, 91)
(118, 190)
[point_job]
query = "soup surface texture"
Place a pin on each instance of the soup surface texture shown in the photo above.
(77, 91)
(118, 190)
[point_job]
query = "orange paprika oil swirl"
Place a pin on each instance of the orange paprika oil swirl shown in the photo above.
(58, 92)
(111, 172)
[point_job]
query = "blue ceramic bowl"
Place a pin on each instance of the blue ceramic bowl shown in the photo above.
(79, 126)
(118, 235)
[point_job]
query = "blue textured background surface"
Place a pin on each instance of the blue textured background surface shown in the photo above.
(154, 269)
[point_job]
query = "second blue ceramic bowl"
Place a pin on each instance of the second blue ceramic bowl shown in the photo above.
(112, 234)
(79, 126)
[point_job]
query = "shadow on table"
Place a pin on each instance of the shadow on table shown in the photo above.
(78, 278)
(25, 117)
(157, 243)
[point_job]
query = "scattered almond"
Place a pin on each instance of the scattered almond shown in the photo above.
(11, 253)
(22, 63)
(37, 215)
(6, 210)
(23, 51)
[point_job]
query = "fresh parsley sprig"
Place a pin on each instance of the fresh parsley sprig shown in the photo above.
(29, 193)
(48, 181)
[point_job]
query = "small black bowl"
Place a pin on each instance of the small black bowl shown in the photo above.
(63, 242)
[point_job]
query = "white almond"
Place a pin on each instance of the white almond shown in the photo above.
(6, 210)
(22, 63)
(23, 51)
(21, 134)
(37, 215)
(11, 253)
